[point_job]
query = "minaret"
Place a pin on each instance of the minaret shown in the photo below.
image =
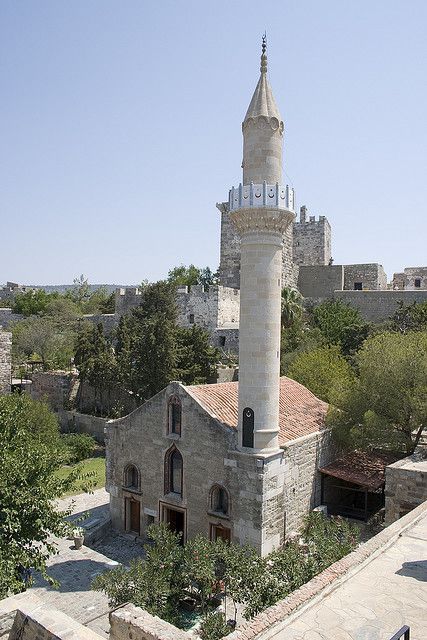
(261, 209)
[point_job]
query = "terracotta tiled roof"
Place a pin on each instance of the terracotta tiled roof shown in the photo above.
(362, 468)
(300, 412)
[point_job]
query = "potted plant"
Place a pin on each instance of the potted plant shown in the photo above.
(78, 536)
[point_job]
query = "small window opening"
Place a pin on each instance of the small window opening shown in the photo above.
(222, 341)
(418, 283)
(358, 286)
(174, 415)
(191, 318)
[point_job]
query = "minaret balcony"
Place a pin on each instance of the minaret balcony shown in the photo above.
(261, 195)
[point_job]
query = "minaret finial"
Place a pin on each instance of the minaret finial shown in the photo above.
(263, 54)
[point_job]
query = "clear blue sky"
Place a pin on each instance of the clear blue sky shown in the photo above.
(120, 128)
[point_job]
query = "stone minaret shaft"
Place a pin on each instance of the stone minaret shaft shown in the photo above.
(261, 210)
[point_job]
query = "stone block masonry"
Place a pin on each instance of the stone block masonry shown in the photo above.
(405, 485)
(5, 361)
(311, 240)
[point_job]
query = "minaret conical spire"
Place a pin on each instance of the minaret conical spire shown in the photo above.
(262, 130)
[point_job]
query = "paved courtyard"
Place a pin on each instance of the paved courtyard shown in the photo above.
(386, 594)
(76, 568)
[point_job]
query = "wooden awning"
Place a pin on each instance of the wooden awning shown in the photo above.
(363, 468)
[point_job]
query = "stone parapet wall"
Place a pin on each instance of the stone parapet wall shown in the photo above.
(5, 361)
(136, 623)
(405, 485)
(26, 617)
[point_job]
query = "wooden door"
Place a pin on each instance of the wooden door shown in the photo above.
(135, 513)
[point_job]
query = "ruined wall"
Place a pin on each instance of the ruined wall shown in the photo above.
(53, 386)
(5, 361)
(126, 299)
(369, 276)
(311, 240)
(405, 485)
(320, 281)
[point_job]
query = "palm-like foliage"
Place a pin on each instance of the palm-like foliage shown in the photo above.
(291, 307)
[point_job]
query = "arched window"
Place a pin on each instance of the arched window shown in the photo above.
(219, 500)
(131, 477)
(173, 471)
(174, 415)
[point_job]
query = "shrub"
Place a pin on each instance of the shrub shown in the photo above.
(78, 446)
(214, 626)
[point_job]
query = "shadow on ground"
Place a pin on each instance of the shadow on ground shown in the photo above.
(73, 575)
(416, 569)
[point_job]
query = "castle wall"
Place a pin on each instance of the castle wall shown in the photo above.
(311, 240)
(320, 281)
(369, 276)
(377, 306)
(407, 279)
(209, 308)
(5, 361)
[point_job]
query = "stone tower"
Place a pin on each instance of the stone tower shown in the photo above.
(261, 209)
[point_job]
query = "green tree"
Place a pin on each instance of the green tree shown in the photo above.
(33, 302)
(196, 359)
(146, 342)
(43, 338)
(156, 583)
(410, 317)
(96, 361)
(80, 291)
(299, 338)
(29, 454)
(386, 405)
(184, 276)
(291, 307)
(341, 325)
(324, 371)
(191, 275)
